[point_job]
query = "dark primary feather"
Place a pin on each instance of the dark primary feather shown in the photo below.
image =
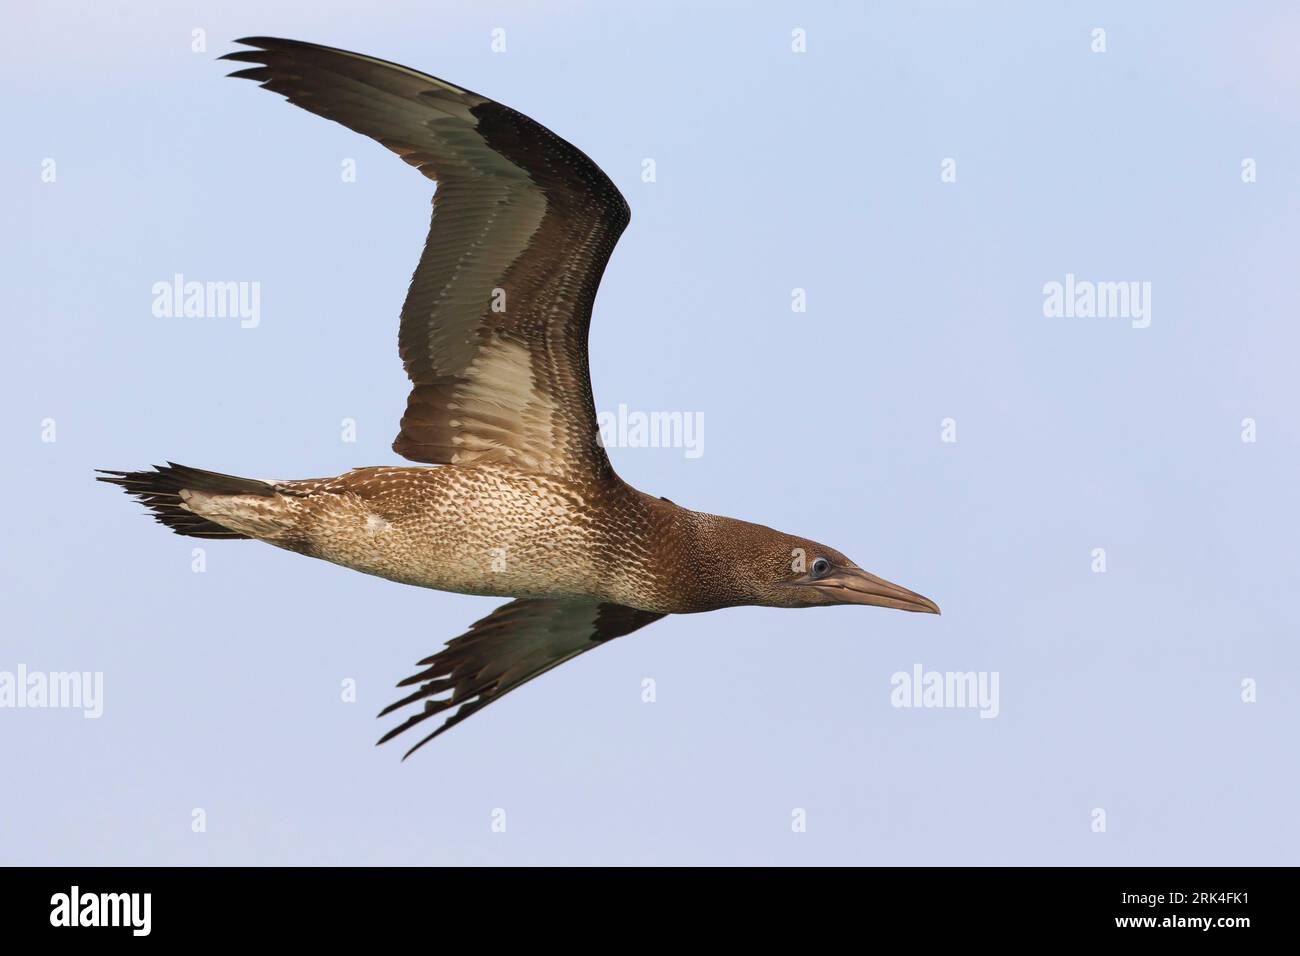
(512, 645)
(523, 221)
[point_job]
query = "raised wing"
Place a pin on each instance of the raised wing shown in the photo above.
(512, 645)
(494, 327)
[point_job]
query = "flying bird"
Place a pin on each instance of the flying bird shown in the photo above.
(522, 501)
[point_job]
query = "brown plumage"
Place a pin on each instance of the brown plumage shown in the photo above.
(493, 337)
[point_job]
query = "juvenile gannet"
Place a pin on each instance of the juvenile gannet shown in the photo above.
(525, 503)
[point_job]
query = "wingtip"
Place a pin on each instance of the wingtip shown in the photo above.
(258, 45)
(406, 726)
(390, 734)
(272, 43)
(419, 745)
(394, 732)
(251, 73)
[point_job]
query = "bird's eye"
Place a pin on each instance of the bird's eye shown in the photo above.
(820, 567)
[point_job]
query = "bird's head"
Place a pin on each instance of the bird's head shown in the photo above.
(772, 569)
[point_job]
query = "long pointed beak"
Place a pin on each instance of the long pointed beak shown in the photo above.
(855, 586)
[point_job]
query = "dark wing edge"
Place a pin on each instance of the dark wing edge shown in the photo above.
(508, 648)
(519, 212)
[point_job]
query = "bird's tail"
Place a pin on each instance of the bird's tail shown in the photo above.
(160, 490)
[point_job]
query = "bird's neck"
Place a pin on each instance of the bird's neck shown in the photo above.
(685, 561)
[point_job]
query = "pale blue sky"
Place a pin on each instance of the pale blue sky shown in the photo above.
(776, 170)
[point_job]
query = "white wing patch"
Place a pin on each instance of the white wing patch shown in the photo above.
(504, 406)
